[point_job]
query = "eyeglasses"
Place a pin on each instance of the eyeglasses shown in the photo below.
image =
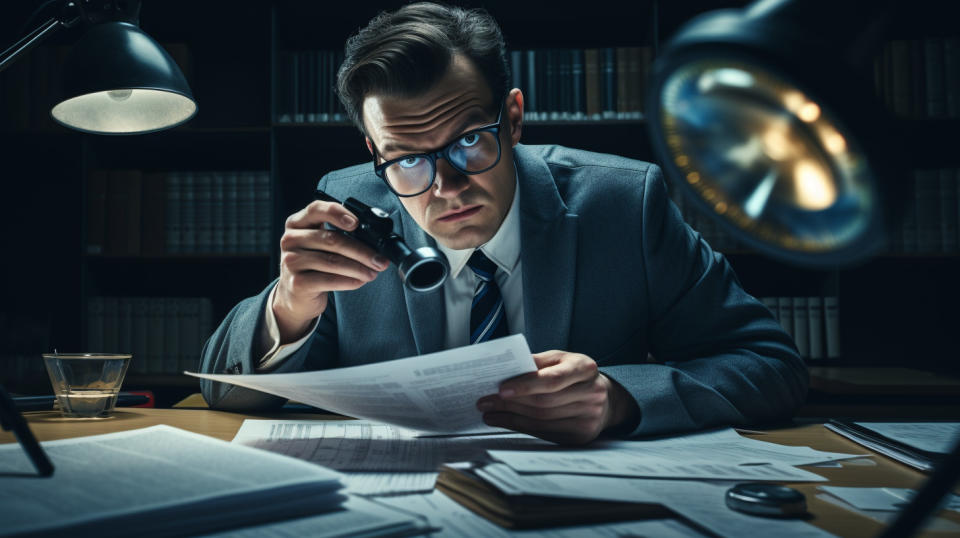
(473, 152)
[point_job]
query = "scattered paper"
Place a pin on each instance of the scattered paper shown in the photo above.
(375, 458)
(437, 392)
(882, 498)
(357, 517)
(719, 455)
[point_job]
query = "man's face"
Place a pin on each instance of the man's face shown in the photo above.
(459, 210)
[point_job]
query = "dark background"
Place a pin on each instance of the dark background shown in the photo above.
(896, 309)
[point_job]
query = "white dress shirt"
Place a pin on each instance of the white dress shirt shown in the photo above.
(503, 249)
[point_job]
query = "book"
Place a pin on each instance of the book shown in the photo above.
(173, 240)
(785, 306)
(591, 59)
(815, 327)
(141, 480)
(462, 483)
(801, 329)
(831, 318)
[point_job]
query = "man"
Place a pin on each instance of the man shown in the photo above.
(637, 326)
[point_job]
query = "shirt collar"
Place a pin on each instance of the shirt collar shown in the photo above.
(503, 248)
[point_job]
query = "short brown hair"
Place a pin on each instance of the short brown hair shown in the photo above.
(405, 52)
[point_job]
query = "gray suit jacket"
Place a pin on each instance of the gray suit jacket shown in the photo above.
(609, 270)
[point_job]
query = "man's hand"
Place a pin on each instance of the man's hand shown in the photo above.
(314, 261)
(567, 400)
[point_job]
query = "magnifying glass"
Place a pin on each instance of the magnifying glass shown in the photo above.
(769, 500)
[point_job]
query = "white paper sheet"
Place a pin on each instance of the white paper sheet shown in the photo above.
(456, 521)
(357, 517)
(882, 498)
(376, 458)
(938, 437)
(719, 454)
(437, 392)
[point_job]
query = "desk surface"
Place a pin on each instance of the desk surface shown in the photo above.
(48, 425)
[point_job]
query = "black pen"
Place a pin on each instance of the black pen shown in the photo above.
(11, 419)
(44, 403)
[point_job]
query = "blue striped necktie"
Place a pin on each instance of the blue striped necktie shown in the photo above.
(488, 318)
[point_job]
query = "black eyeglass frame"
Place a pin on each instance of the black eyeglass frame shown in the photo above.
(432, 157)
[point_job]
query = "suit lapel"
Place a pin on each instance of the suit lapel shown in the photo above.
(548, 238)
(428, 319)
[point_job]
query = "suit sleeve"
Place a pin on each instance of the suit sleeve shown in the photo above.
(720, 356)
(234, 349)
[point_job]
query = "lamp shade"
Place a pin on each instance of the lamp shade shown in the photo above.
(761, 117)
(117, 80)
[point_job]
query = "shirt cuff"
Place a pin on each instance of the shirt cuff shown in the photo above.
(270, 339)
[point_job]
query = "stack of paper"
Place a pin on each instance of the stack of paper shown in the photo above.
(157, 481)
(917, 444)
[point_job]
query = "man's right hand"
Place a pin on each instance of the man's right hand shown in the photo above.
(314, 261)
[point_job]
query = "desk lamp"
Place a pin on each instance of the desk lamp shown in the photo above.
(117, 80)
(765, 117)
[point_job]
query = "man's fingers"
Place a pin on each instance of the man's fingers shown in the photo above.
(572, 431)
(332, 241)
(300, 261)
(588, 392)
(318, 282)
(318, 213)
(571, 410)
(554, 378)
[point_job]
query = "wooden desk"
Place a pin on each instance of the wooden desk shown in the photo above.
(48, 425)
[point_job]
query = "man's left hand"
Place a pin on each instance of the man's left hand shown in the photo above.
(567, 400)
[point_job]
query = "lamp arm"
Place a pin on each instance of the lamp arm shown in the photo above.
(70, 14)
(28, 42)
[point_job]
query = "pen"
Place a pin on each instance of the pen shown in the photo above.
(43, 403)
(11, 419)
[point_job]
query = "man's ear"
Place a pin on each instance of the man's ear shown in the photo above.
(369, 144)
(514, 109)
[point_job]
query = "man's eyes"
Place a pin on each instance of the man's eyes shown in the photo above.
(468, 140)
(410, 162)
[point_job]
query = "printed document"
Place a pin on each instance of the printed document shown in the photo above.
(718, 454)
(375, 458)
(435, 393)
(158, 480)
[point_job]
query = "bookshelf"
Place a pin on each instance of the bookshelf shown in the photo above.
(897, 309)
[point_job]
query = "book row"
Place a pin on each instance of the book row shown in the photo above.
(931, 218)
(306, 82)
(812, 322)
(920, 78)
(577, 84)
(132, 213)
(558, 84)
(164, 334)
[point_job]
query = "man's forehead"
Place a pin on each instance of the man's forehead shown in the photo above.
(459, 100)
(396, 127)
